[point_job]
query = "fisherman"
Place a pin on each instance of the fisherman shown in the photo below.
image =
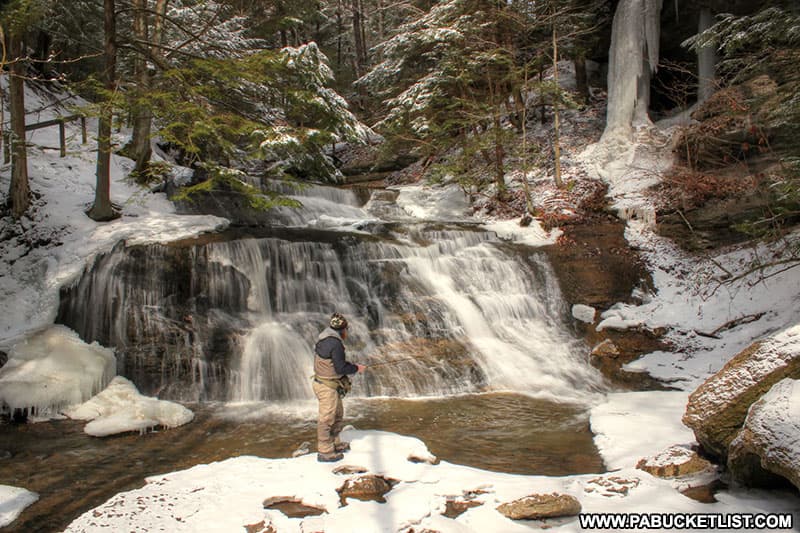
(331, 384)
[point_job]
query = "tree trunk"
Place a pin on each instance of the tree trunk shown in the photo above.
(19, 192)
(358, 38)
(581, 80)
(525, 185)
(556, 131)
(140, 150)
(102, 209)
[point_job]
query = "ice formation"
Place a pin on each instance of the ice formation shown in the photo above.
(52, 369)
(120, 408)
(632, 58)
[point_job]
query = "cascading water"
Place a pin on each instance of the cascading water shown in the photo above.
(439, 309)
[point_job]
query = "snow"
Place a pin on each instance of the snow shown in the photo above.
(13, 501)
(52, 369)
(619, 425)
(120, 409)
(532, 235)
(228, 495)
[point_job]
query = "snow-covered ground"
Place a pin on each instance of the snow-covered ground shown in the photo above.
(228, 495)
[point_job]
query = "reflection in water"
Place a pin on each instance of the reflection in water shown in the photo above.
(73, 472)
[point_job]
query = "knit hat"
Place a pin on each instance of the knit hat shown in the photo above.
(338, 322)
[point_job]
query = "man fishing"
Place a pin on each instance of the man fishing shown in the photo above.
(331, 383)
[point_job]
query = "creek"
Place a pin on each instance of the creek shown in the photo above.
(483, 363)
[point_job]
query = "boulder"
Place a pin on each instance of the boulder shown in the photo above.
(769, 443)
(676, 461)
(717, 409)
(541, 506)
(366, 488)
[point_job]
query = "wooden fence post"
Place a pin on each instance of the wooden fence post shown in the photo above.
(83, 129)
(62, 138)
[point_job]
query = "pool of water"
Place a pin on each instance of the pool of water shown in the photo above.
(73, 472)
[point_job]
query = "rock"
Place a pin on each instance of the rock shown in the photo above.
(292, 507)
(261, 527)
(365, 488)
(676, 461)
(455, 507)
(611, 486)
(303, 449)
(607, 348)
(346, 470)
(769, 443)
(717, 409)
(541, 506)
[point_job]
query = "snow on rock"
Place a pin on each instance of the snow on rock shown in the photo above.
(770, 436)
(52, 369)
(584, 313)
(717, 409)
(676, 461)
(120, 408)
(14, 500)
(531, 235)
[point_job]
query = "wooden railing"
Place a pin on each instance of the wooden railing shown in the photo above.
(62, 134)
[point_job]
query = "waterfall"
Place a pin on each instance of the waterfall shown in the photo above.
(633, 56)
(437, 311)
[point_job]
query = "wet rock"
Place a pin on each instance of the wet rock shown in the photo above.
(676, 461)
(611, 486)
(538, 506)
(595, 264)
(292, 507)
(704, 493)
(607, 348)
(717, 409)
(366, 488)
(303, 449)
(769, 443)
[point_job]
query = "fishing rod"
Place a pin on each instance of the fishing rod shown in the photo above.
(395, 361)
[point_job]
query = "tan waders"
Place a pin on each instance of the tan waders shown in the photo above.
(330, 421)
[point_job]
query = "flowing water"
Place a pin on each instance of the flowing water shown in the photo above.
(469, 335)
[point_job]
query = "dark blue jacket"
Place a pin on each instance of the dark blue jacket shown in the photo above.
(331, 348)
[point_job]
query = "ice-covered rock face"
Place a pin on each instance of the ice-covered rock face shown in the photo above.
(52, 369)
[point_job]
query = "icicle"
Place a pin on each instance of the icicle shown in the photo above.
(632, 58)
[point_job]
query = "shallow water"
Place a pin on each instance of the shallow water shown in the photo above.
(73, 472)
